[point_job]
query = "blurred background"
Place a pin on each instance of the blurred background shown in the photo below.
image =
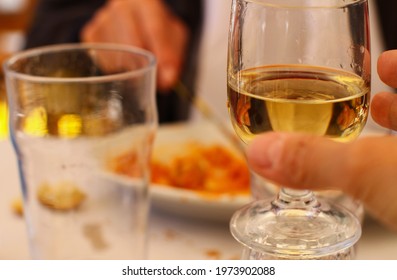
(15, 16)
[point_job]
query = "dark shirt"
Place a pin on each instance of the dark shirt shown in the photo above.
(387, 11)
(60, 21)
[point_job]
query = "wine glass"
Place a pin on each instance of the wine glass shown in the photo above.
(298, 66)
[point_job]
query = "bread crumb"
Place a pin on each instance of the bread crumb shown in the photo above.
(213, 254)
(17, 206)
(62, 196)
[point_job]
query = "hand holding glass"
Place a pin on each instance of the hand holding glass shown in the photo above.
(298, 66)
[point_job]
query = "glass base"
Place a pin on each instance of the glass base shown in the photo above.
(269, 230)
(264, 190)
(345, 254)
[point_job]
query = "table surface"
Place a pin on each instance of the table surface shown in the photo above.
(170, 236)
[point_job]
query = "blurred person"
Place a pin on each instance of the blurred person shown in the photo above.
(169, 28)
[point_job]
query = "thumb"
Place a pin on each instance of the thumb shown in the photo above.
(298, 161)
(365, 169)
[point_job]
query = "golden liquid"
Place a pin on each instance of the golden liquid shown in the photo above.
(67, 111)
(40, 123)
(3, 111)
(290, 98)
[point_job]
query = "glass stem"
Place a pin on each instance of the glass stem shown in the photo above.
(296, 199)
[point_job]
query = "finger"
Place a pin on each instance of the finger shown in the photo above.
(384, 109)
(114, 23)
(125, 26)
(365, 169)
(297, 160)
(167, 37)
(387, 67)
(172, 58)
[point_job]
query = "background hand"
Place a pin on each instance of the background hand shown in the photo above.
(147, 24)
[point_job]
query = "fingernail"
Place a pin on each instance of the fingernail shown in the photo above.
(264, 151)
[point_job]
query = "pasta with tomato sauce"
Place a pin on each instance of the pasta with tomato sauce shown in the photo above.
(212, 169)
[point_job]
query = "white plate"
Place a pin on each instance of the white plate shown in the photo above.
(189, 203)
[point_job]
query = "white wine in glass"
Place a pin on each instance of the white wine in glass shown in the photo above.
(298, 98)
(298, 66)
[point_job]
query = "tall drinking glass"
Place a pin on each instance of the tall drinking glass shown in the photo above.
(298, 66)
(75, 112)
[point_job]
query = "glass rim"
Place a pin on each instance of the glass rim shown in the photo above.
(28, 53)
(335, 4)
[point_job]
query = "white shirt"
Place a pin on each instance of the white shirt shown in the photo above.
(211, 84)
